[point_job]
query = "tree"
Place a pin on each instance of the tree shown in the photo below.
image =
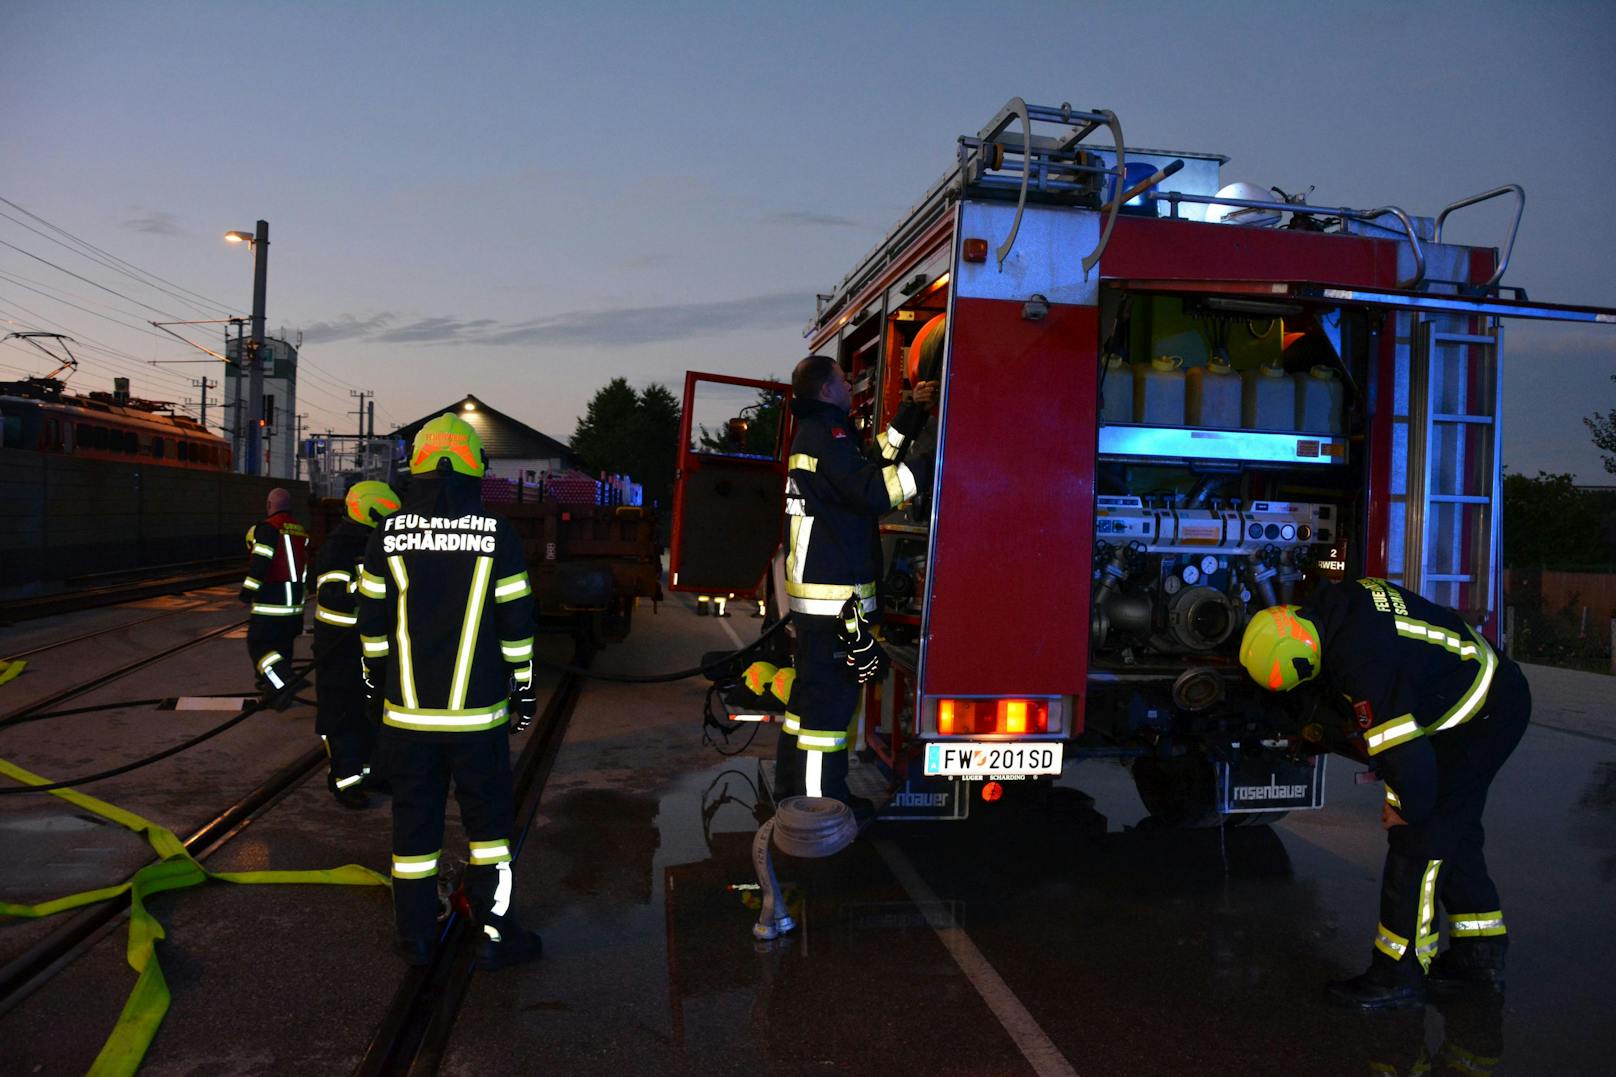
(1603, 427)
(1549, 523)
(635, 434)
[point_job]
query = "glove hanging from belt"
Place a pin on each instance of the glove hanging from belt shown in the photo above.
(524, 703)
(864, 655)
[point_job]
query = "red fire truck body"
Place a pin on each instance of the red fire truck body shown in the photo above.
(1156, 419)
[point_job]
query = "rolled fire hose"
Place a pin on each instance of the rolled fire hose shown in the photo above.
(808, 827)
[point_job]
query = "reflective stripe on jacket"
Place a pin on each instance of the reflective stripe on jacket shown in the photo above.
(446, 604)
(277, 574)
(834, 496)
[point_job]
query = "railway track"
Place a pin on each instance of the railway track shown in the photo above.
(31, 969)
(41, 707)
(107, 631)
(112, 588)
(414, 1033)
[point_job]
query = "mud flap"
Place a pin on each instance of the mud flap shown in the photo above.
(1269, 784)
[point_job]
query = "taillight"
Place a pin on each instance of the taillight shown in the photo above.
(980, 717)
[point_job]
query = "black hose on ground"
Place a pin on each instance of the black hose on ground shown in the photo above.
(274, 702)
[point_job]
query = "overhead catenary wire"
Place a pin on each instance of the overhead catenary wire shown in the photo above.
(107, 254)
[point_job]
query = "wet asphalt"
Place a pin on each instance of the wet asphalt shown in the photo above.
(1062, 934)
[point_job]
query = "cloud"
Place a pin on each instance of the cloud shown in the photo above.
(654, 325)
(809, 218)
(619, 326)
(155, 222)
(346, 327)
(436, 329)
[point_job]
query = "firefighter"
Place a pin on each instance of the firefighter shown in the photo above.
(1438, 713)
(274, 585)
(342, 718)
(446, 628)
(834, 497)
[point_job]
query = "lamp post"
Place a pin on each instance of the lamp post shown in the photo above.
(259, 242)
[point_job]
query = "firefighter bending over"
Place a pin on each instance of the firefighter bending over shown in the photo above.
(342, 718)
(274, 587)
(1439, 713)
(446, 627)
(834, 496)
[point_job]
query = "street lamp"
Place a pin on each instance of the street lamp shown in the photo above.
(259, 242)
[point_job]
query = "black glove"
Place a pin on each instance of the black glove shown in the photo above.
(864, 655)
(524, 703)
(910, 420)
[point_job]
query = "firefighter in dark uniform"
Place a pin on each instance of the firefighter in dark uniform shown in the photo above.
(834, 497)
(1438, 712)
(274, 587)
(342, 718)
(446, 629)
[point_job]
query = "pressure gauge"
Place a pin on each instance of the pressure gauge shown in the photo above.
(1191, 574)
(1209, 565)
(1171, 585)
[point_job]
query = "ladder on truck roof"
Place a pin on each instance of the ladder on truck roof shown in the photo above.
(1003, 159)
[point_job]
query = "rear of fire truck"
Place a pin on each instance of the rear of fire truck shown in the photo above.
(1165, 405)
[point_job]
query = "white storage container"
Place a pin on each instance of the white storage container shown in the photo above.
(1117, 389)
(1269, 399)
(1319, 399)
(1213, 397)
(1158, 391)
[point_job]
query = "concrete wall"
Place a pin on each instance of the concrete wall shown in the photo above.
(62, 518)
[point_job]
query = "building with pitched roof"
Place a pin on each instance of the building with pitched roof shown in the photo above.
(515, 449)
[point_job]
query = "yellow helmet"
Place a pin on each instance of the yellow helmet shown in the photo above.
(451, 438)
(1280, 648)
(250, 537)
(369, 501)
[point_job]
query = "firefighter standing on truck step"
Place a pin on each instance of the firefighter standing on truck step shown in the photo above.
(342, 717)
(446, 628)
(1439, 713)
(274, 586)
(834, 497)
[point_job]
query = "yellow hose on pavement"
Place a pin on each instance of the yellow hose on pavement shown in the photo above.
(175, 869)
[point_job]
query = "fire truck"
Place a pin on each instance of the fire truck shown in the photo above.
(1166, 403)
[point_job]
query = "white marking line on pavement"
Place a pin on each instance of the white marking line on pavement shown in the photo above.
(209, 703)
(730, 632)
(1044, 1057)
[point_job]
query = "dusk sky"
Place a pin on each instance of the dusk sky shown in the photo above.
(523, 200)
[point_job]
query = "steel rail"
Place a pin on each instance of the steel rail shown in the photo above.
(137, 587)
(39, 707)
(415, 1031)
(92, 635)
(31, 969)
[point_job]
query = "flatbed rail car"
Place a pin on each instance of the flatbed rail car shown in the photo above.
(589, 564)
(1165, 404)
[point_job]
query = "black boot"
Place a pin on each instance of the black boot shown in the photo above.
(514, 948)
(1385, 985)
(353, 798)
(1470, 964)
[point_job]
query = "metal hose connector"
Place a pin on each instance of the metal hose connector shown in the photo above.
(808, 827)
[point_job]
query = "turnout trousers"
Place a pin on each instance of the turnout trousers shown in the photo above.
(811, 758)
(269, 644)
(341, 717)
(1440, 858)
(420, 768)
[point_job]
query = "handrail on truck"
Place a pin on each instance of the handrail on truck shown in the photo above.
(1509, 245)
(1173, 198)
(1059, 157)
